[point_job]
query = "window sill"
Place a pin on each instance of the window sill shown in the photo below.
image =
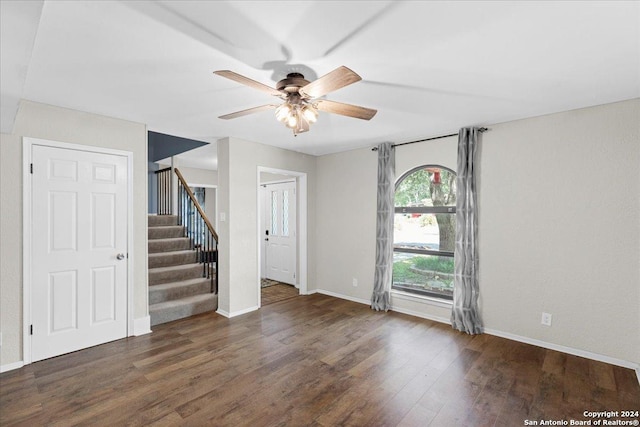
(421, 299)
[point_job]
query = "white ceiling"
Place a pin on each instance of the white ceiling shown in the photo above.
(428, 67)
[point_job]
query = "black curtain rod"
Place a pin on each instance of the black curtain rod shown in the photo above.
(427, 139)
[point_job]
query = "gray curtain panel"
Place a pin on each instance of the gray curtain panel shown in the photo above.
(384, 227)
(465, 316)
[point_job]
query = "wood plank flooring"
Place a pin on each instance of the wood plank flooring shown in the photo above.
(311, 361)
(276, 293)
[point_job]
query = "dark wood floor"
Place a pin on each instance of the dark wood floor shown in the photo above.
(277, 293)
(312, 360)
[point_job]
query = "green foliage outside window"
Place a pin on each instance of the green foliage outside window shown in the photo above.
(425, 272)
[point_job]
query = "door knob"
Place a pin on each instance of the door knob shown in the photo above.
(120, 257)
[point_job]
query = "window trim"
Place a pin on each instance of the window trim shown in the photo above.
(423, 294)
(423, 299)
(420, 209)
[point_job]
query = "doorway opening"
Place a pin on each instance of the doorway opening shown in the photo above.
(282, 232)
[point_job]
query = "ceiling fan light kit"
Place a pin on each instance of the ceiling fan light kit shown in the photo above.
(297, 117)
(301, 106)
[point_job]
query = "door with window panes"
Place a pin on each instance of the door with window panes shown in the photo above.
(280, 232)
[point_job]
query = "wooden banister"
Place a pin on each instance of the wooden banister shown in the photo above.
(197, 205)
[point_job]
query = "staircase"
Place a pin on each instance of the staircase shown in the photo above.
(177, 288)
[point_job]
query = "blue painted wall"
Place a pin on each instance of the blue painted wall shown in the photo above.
(161, 146)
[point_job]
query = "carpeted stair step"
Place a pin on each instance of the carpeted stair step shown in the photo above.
(174, 273)
(169, 245)
(162, 220)
(176, 290)
(167, 259)
(165, 232)
(167, 311)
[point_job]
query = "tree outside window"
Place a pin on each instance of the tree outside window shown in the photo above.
(424, 232)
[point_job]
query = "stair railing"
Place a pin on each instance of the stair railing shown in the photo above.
(163, 192)
(198, 228)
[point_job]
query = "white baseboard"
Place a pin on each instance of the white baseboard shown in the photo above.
(236, 313)
(568, 350)
(513, 337)
(142, 326)
(341, 296)
(222, 312)
(11, 366)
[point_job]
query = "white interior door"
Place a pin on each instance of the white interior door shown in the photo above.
(78, 250)
(280, 232)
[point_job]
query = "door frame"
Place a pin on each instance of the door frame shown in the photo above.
(27, 144)
(301, 201)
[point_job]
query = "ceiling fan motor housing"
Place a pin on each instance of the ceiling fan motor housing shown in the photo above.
(292, 83)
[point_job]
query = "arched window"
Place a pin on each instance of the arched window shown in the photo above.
(425, 232)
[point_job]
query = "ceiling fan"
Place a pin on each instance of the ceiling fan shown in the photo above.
(301, 103)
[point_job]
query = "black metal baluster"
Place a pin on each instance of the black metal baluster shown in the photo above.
(206, 246)
(188, 221)
(203, 254)
(179, 213)
(215, 289)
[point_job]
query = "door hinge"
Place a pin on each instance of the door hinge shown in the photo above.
(31, 167)
(294, 275)
(31, 330)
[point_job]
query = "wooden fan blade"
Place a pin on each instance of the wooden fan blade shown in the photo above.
(248, 82)
(338, 78)
(248, 111)
(346, 109)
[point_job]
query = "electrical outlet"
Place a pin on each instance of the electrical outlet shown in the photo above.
(546, 319)
(355, 283)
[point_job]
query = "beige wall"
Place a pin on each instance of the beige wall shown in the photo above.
(238, 163)
(197, 175)
(559, 227)
(11, 248)
(346, 218)
(60, 124)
